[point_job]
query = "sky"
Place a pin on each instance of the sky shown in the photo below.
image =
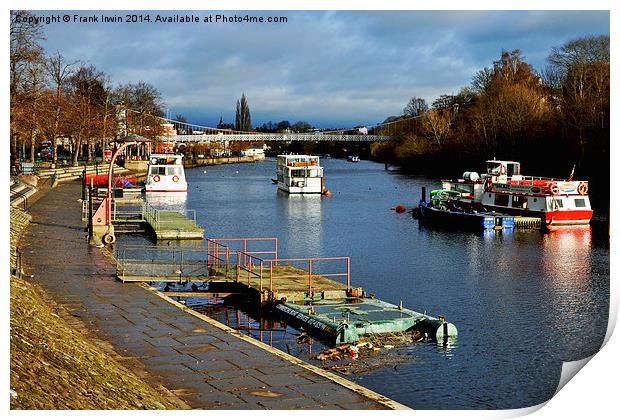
(329, 68)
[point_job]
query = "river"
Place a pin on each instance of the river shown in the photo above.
(523, 302)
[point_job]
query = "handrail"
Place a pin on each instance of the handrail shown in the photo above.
(218, 259)
(21, 195)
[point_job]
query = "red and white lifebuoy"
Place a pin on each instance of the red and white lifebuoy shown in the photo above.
(156, 178)
(582, 188)
(554, 188)
(175, 178)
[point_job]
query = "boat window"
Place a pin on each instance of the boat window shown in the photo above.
(464, 188)
(153, 170)
(501, 200)
(512, 169)
(519, 201)
(557, 203)
(580, 202)
(161, 170)
(170, 170)
(494, 168)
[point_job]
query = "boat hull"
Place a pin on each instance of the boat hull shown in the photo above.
(463, 220)
(555, 218)
(299, 190)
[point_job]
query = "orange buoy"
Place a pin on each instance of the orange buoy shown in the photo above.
(327, 193)
(400, 209)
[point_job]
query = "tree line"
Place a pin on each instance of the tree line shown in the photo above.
(548, 120)
(53, 98)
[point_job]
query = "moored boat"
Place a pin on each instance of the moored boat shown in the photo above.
(300, 174)
(165, 174)
(444, 210)
(557, 202)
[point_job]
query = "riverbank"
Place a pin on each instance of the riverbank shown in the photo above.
(55, 365)
(202, 362)
(141, 166)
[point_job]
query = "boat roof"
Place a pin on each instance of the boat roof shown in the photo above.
(299, 156)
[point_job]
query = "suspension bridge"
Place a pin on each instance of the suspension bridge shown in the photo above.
(184, 132)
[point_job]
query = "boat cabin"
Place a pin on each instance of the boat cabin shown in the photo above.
(165, 173)
(299, 174)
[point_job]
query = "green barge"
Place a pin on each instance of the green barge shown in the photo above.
(348, 321)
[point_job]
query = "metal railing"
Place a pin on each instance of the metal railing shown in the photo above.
(21, 195)
(152, 216)
(217, 259)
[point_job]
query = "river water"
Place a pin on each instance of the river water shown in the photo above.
(523, 302)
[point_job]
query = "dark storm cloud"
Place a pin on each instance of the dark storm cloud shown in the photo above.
(329, 68)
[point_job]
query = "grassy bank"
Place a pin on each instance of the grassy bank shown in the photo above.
(55, 365)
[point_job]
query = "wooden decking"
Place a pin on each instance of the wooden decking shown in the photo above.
(174, 225)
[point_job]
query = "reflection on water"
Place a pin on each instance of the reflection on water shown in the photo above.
(170, 201)
(523, 302)
(301, 216)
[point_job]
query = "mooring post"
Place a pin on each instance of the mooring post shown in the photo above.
(423, 194)
(90, 211)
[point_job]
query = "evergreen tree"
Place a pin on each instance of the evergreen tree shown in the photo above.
(243, 120)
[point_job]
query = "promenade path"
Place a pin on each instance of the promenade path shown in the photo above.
(203, 362)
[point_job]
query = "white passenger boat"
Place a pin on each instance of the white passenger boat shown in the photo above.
(299, 174)
(165, 174)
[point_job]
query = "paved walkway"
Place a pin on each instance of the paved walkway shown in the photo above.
(195, 357)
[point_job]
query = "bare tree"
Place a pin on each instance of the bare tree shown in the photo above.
(415, 107)
(25, 51)
(59, 71)
(436, 125)
(143, 100)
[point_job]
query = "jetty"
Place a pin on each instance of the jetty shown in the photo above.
(313, 292)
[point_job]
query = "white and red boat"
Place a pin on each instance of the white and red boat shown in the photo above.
(503, 189)
(165, 174)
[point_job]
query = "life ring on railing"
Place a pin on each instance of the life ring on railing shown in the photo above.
(175, 178)
(156, 178)
(582, 188)
(554, 188)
